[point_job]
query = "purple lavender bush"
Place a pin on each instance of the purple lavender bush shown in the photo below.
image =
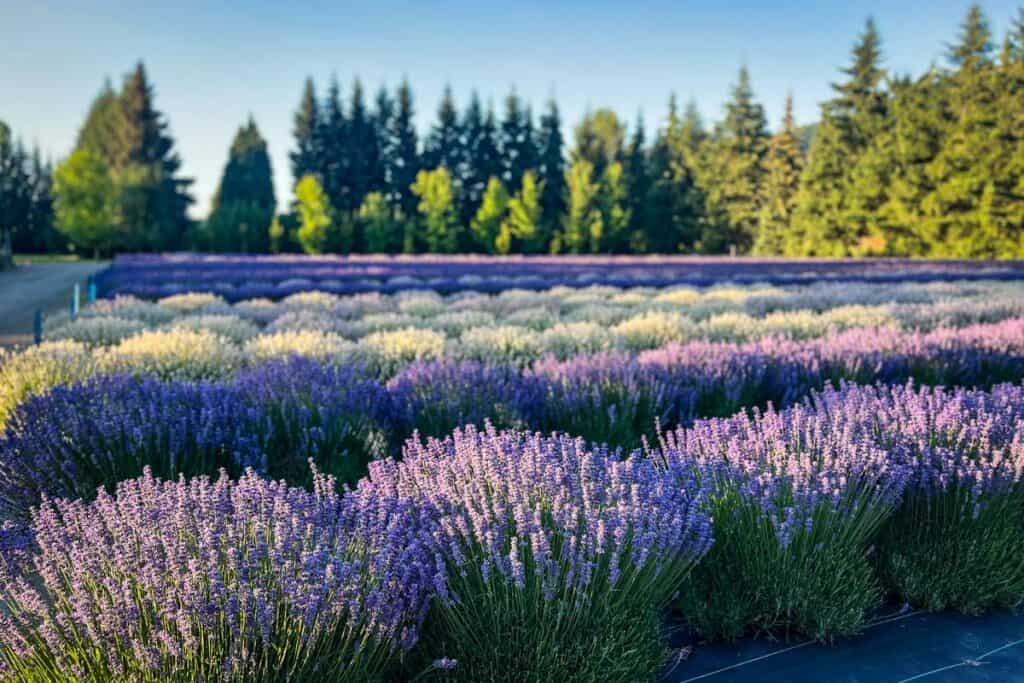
(558, 559)
(334, 414)
(75, 439)
(220, 580)
(436, 397)
(797, 497)
(957, 540)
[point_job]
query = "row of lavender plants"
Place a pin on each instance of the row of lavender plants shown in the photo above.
(241, 277)
(505, 555)
(614, 397)
(518, 325)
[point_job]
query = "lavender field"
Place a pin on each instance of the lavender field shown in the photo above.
(475, 469)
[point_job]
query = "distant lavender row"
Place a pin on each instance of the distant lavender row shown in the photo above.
(244, 277)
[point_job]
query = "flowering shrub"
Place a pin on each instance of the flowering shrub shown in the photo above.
(334, 415)
(230, 327)
(958, 539)
(190, 302)
(96, 330)
(557, 558)
(73, 440)
(175, 354)
(216, 580)
(323, 346)
(797, 496)
(651, 330)
(39, 368)
(389, 351)
(502, 344)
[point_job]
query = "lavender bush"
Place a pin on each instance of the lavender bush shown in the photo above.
(558, 559)
(797, 496)
(214, 580)
(335, 415)
(957, 541)
(73, 440)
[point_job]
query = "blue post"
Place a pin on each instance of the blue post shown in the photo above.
(91, 295)
(37, 327)
(74, 301)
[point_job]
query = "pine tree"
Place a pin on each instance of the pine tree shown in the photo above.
(638, 182)
(674, 203)
(334, 173)
(101, 129)
(599, 140)
(523, 227)
(782, 165)
(307, 157)
(244, 205)
(516, 142)
(551, 169)
(733, 187)
(157, 199)
(402, 160)
(441, 148)
(15, 201)
(839, 199)
(437, 208)
(486, 224)
(40, 235)
(364, 154)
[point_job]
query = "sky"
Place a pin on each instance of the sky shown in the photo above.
(215, 63)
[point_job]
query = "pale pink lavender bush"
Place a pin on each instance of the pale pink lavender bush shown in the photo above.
(545, 543)
(214, 580)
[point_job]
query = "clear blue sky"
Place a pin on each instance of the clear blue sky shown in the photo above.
(214, 63)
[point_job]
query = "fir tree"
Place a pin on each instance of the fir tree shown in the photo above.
(307, 157)
(15, 200)
(638, 182)
(516, 142)
(733, 187)
(402, 159)
(363, 155)
(334, 172)
(441, 148)
(244, 205)
(599, 139)
(674, 203)
(551, 169)
(782, 165)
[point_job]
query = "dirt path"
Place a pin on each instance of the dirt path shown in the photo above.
(44, 286)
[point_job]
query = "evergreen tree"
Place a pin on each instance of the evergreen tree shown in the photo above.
(524, 222)
(442, 146)
(334, 171)
(487, 223)
(437, 207)
(244, 204)
(383, 234)
(517, 145)
(102, 128)
(307, 157)
(402, 159)
(40, 235)
(551, 169)
(783, 163)
(86, 201)
(384, 111)
(363, 153)
(839, 199)
(615, 214)
(157, 199)
(319, 231)
(478, 157)
(15, 200)
(638, 182)
(674, 203)
(733, 186)
(599, 140)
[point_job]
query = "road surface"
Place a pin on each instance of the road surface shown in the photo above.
(44, 286)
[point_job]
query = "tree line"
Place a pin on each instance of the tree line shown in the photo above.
(929, 165)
